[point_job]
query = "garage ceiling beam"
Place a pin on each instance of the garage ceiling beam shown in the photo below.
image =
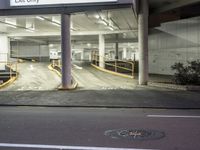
(73, 33)
(178, 4)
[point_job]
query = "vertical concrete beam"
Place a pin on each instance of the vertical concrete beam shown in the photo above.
(4, 50)
(117, 47)
(66, 51)
(143, 42)
(101, 51)
(124, 53)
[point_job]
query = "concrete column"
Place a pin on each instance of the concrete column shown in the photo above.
(117, 47)
(124, 53)
(143, 42)
(66, 51)
(101, 51)
(4, 51)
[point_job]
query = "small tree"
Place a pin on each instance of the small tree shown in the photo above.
(188, 74)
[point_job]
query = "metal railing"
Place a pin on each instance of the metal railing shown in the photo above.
(56, 63)
(116, 65)
(10, 69)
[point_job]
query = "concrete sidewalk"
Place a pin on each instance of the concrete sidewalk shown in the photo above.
(140, 97)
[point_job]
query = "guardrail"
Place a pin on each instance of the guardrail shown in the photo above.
(116, 65)
(10, 69)
(56, 63)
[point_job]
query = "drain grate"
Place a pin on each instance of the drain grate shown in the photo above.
(135, 134)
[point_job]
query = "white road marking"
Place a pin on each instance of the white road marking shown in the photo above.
(34, 146)
(171, 116)
(31, 67)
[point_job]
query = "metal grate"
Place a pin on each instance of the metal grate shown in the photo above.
(135, 134)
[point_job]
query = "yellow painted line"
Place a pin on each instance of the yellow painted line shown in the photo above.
(74, 85)
(10, 81)
(112, 72)
(54, 70)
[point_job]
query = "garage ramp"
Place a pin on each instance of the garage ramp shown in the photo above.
(89, 77)
(34, 76)
(37, 77)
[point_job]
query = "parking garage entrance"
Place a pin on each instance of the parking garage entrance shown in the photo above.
(40, 41)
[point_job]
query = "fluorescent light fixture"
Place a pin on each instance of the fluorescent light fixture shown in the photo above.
(55, 23)
(97, 16)
(40, 18)
(89, 44)
(111, 28)
(30, 30)
(51, 45)
(11, 25)
(103, 22)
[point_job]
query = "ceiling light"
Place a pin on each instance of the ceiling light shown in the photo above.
(102, 22)
(56, 24)
(40, 18)
(11, 25)
(51, 45)
(97, 16)
(111, 28)
(30, 30)
(89, 44)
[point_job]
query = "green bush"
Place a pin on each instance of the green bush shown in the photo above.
(187, 74)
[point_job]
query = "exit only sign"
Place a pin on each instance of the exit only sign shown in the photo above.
(54, 2)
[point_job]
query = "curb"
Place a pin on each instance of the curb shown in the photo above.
(99, 107)
(10, 81)
(175, 87)
(54, 70)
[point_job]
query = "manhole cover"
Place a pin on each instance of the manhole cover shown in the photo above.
(135, 134)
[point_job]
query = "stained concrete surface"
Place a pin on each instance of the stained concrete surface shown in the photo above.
(89, 78)
(34, 76)
(138, 98)
(96, 89)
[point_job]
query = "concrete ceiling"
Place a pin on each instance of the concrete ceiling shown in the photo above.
(110, 22)
(47, 27)
(170, 10)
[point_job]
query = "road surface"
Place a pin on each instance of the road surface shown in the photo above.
(78, 128)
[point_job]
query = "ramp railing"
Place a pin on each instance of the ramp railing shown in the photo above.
(115, 65)
(8, 70)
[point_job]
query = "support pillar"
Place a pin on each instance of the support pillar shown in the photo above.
(4, 51)
(66, 51)
(125, 53)
(143, 42)
(117, 47)
(101, 51)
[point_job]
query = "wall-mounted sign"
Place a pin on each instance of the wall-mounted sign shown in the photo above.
(54, 2)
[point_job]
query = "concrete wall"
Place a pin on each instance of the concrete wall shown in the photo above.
(173, 42)
(29, 50)
(4, 51)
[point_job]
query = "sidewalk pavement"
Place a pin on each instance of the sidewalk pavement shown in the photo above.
(140, 97)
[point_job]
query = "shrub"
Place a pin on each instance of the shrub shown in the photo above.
(187, 74)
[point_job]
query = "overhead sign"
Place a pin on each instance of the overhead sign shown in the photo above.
(54, 2)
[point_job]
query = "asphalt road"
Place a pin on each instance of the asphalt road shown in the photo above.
(78, 128)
